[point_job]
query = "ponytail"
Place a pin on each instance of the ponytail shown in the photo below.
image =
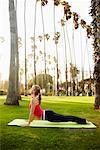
(39, 98)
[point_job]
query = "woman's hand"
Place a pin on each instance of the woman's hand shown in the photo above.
(26, 124)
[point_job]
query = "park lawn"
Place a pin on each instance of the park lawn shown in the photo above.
(27, 138)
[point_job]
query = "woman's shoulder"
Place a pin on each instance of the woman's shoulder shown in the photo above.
(35, 101)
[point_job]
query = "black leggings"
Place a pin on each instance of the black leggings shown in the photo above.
(55, 117)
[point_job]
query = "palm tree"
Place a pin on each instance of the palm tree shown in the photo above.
(12, 96)
(33, 39)
(25, 93)
(67, 14)
(34, 47)
(95, 13)
(73, 73)
(56, 38)
(17, 60)
(19, 72)
(89, 34)
(66, 68)
(43, 3)
(76, 25)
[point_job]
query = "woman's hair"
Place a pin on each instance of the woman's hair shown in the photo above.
(36, 90)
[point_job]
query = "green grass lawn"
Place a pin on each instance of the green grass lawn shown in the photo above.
(27, 138)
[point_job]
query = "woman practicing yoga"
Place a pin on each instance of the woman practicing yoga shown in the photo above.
(37, 112)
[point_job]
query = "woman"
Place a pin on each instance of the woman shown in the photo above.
(37, 112)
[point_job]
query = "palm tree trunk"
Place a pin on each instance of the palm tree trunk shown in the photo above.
(66, 76)
(56, 53)
(71, 74)
(34, 41)
(82, 65)
(17, 61)
(44, 50)
(12, 97)
(95, 13)
(89, 85)
(25, 93)
(75, 76)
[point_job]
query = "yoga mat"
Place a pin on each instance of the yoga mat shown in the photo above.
(47, 124)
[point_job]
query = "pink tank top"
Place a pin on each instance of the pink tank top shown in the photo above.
(38, 111)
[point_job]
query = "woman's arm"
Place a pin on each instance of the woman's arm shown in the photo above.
(31, 114)
(31, 117)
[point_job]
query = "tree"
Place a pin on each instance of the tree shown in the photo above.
(34, 47)
(17, 58)
(39, 78)
(12, 96)
(73, 73)
(43, 3)
(95, 13)
(66, 68)
(56, 39)
(25, 48)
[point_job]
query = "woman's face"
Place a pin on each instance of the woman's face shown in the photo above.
(33, 94)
